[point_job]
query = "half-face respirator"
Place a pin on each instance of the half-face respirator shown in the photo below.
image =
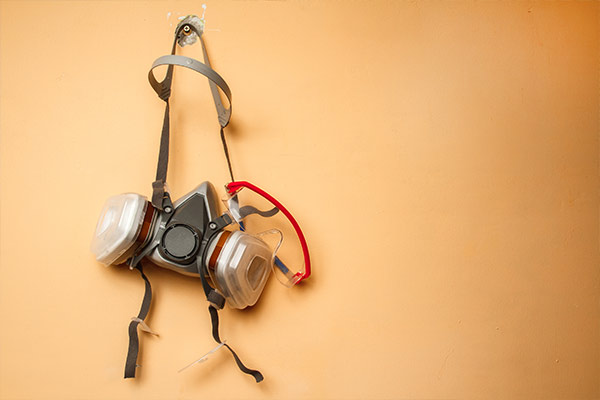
(190, 235)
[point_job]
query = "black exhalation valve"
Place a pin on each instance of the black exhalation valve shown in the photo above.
(180, 243)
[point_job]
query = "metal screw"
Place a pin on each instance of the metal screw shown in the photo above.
(187, 30)
(168, 209)
(212, 225)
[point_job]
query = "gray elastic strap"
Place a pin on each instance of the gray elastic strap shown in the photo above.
(243, 212)
(223, 113)
(216, 300)
(159, 200)
(134, 343)
(160, 197)
(249, 210)
(195, 65)
(214, 319)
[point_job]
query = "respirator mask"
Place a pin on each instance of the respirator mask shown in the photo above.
(233, 253)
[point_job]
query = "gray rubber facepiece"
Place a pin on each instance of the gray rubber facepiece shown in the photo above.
(180, 237)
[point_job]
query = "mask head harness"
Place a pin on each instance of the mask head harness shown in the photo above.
(189, 235)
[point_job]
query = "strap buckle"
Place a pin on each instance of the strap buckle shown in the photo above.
(216, 299)
(161, 198)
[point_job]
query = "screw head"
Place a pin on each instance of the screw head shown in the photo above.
(212, 225)
(168, 209)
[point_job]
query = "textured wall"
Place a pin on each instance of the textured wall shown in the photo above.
(442, 158)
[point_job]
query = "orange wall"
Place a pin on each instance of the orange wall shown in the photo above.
(442, 158)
